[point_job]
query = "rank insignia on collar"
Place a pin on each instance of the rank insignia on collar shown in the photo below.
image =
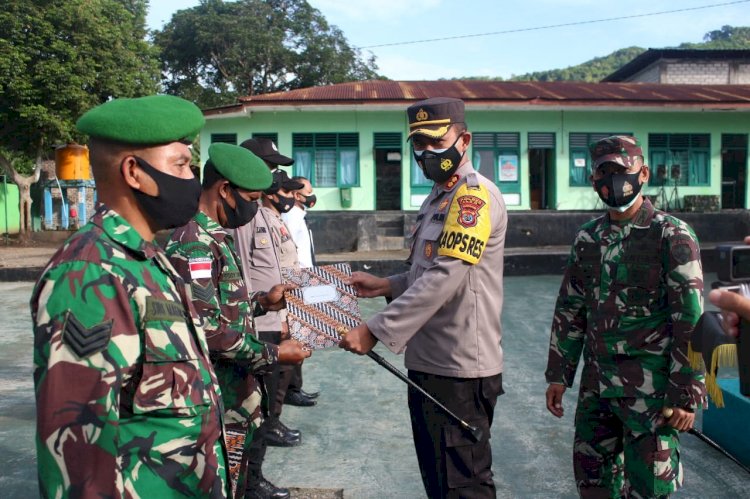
(469, 207)
(451, 182)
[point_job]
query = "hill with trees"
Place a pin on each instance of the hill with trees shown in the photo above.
(728, 37)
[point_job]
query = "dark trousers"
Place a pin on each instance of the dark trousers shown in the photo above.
(277, 383)
(451, 463)
(258, 446)
(295, 384)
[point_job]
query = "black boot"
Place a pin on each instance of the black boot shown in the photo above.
(276, 435)
(293, 433)
(299, 399)
(263, 489)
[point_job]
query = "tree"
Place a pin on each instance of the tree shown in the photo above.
(59, 58)
(728, 37)
(594, 70)
(219, 51)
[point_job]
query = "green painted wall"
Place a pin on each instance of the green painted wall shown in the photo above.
(561, 123)
(10, 219)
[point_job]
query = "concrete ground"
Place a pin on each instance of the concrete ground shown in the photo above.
(357, 438)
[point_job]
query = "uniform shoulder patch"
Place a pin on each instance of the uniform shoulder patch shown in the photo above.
(467, 226)
(683, 249)
(83, 341)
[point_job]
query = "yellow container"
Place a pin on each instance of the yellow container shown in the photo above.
(72, 162)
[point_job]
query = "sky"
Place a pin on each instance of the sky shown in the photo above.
(366, 23)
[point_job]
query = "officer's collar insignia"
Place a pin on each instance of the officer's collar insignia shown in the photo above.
(451, 183)
(422, 115)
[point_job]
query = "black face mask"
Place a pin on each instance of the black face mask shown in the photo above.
(439, 165)
(618, 190)
(242, 213)
(284, 204)
(309, 201)
(177, 201)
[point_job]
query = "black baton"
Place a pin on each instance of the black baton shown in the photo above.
(667, 413)
(711, 443)
(476, 433)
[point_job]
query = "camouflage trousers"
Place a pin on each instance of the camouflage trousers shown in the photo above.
(623, 449)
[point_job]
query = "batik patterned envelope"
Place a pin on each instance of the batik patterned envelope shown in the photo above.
(323, 308)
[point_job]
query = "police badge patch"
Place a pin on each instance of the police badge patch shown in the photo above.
(469, 207)
(467, 226)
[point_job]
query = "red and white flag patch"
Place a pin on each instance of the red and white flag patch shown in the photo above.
(200, 268)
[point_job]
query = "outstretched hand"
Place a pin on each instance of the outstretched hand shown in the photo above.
(274, 299)
(293, 352)
(733, 307)
(369, 286)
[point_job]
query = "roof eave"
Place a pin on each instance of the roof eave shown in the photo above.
(246, 111)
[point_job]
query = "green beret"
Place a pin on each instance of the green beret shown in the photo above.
(156, 119)
(241, 167)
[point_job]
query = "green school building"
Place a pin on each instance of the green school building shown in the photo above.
(531, 138)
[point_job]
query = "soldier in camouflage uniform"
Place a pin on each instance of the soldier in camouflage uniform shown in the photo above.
(127, 401)
(203, 253)
(630, 298)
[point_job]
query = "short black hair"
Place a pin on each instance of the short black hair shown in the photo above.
(210, 175)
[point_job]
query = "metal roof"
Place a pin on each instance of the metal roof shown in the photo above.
(652, 55)
(500, 94)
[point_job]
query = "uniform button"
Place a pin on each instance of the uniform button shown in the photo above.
(392, 343)
(549, 371)
(683, 396)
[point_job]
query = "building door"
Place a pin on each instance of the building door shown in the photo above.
(388, 159)
(733, 171)
(542, 171)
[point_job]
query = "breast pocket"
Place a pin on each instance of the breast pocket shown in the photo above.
(637, 288)
(426, 244)
(263, 254)
(172, 383)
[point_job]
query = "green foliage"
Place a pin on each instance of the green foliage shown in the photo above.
(594, 70)
(59, 58)
(219, 51)
(728, 37)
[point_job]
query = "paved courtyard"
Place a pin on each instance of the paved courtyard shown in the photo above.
(358, 437)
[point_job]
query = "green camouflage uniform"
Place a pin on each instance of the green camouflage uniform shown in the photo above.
(630, 298)
(127, 401)
(203, 254)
